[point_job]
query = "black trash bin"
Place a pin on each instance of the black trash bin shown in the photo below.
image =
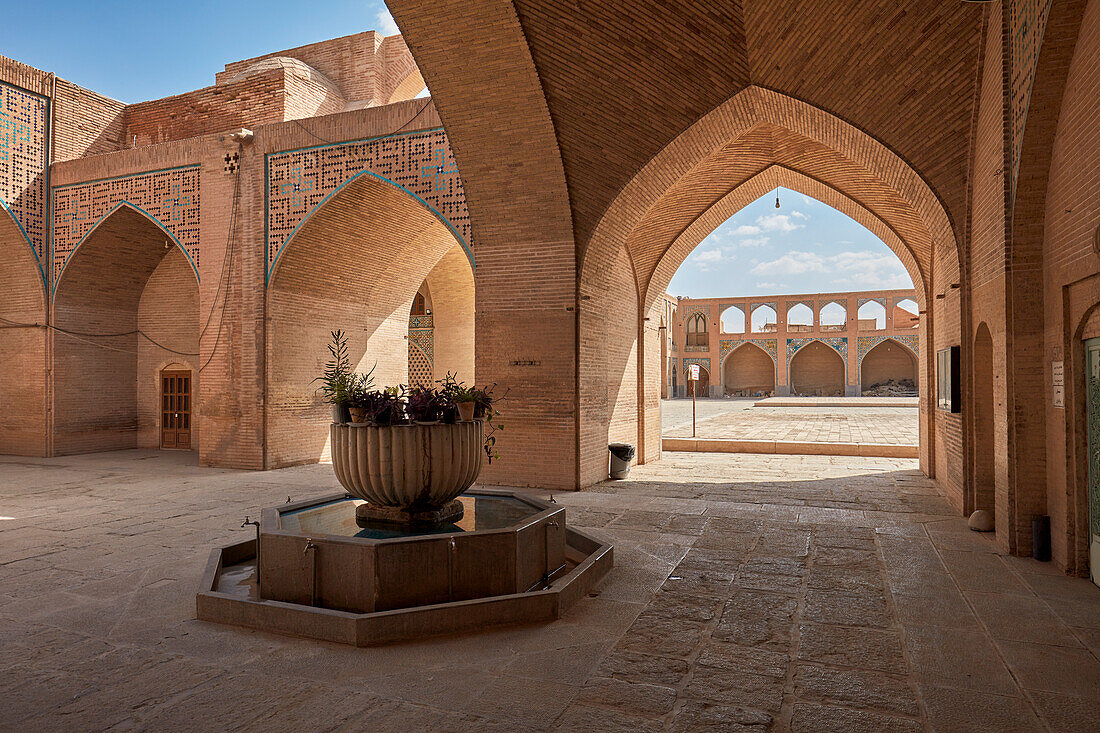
(621, 453)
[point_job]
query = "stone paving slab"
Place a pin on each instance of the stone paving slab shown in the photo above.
(743, 420)
(766, 592)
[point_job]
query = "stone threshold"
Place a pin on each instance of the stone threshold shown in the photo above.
(782, 447)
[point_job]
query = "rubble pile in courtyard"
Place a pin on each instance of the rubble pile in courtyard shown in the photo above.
(890, 388)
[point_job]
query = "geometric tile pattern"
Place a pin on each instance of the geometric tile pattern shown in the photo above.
(725, 346)
(1027, 22)
(703, 362)
(866, 343)
(839, 344)
(170, 197)
(690, 348)
(864, 301)
(298, 181)
(23, 118)
(421, 349)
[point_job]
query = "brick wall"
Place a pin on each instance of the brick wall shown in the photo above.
(168, 313)
(1072, 268)
(887, 361)
(261, 98)
(95, 375)
(451, 283)
(85, 123)
(22, 349)
(817, 370)
(748, 370)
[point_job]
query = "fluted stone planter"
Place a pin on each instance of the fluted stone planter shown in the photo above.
(407, 473)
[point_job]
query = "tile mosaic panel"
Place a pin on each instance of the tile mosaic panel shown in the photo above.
(701, 361)
(171, 197)
(839, 344)
(725, 346)
(23, 117)
(425, 339)
(298, 181)
(866, 343)
(1028, 23)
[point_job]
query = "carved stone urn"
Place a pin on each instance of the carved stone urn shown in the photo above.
(408, 474)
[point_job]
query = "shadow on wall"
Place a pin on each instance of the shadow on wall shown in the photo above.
(356, 264)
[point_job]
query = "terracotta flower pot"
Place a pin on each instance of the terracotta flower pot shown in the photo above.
(358, 414)
(407, 466)
(466, 411)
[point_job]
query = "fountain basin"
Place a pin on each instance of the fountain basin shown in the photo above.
(364, 596)
(504, 543)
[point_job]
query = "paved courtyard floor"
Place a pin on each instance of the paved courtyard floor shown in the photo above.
(804, 593)
(739, 419)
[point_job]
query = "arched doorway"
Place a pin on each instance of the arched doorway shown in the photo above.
(817, 370)
(888, 362)
(983, 455)
(357, 263)
(22, 344)
(701, 386)
(748, 372)
(118, 328)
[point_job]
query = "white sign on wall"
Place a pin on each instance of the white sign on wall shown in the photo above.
(1057, 381)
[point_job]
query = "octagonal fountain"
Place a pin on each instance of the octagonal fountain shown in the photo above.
(409, 551)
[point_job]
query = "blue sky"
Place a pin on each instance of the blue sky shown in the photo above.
(803, 247)
(139, 51)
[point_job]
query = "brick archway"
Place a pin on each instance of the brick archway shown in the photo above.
(756, 141)
(114, 325)
(748, 369)
(817, 369)
(354, 264)
(889, 359)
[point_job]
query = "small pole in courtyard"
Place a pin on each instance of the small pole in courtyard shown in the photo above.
(694, 376)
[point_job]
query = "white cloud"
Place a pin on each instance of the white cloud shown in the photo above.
(753, 242)
(799, 215)
(770, 286)
(747, 230)
(777, 223)
(709, 255)
(866, 270)
(386, 24)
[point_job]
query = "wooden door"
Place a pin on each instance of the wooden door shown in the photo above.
(175, 409)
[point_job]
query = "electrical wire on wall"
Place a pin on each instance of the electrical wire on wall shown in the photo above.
(227, 270)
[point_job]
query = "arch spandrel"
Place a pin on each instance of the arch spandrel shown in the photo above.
(420, 164)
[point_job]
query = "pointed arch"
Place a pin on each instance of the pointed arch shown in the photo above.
(112, 212)
(336, 193)
(355, 264)
(748, 370)
(23, 339)
(113, 325)
(15, 220)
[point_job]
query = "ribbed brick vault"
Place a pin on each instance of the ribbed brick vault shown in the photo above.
(355, 264)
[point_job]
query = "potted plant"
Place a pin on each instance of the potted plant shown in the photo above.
(337, 380)
(424, 405)
(463, 398)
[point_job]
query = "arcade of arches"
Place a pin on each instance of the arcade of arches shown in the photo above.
(543, 223)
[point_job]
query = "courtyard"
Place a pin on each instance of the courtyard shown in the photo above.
(882, 421)
(806, 593)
